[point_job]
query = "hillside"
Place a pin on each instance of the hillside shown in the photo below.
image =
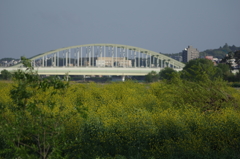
(7, 59)
(217, 53)
(220, 52)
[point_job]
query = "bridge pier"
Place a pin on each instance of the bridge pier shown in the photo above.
(118, 78)
(123, 78)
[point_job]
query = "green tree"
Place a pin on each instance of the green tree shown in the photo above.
(225, 46)
(34, 129)
(225, 70)
(220, 52)
(237, 57)
(153, 76)
(6, 75)
(197, 69)
(167, 73)
(228, 60)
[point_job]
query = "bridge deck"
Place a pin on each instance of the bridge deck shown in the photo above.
(90, 70)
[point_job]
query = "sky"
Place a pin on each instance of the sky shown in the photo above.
(31, 27)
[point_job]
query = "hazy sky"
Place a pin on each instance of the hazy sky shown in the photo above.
(30, 27)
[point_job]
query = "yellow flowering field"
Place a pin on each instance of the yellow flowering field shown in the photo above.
(177, 119)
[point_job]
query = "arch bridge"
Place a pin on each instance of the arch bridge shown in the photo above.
(101, 59)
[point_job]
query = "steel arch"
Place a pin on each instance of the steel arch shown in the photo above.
(138, 49)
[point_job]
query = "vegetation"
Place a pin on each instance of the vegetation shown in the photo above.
(220, 52)
(6, 75)
(6, 59)
(217, 53)
(153, 76)
(228, 60)
(167, 73)
(194, 69)
(175, 118)
(225, 70)
(230, 56)
(3, 60)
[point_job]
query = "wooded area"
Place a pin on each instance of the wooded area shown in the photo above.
(175, 118)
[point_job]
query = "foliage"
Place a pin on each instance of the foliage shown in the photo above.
(167, 73)
(235, 84)
(6, 75)
(225, 70)
(173, 119)
(153, 76)
(231, 57)
(220, 52)
(217, 53)
(237, 56)
(199, 69)
(228, 60)
(33, 123)
(6, 59)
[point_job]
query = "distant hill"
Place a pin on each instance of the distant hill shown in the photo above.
(220, 52)
(217, 53)
(5, 62)
(7, 59)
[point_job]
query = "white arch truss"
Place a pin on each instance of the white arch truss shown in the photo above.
(103, 55)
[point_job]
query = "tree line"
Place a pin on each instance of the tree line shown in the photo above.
(195, 67)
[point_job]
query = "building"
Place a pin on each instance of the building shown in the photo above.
(214, 60)
(9, 63)
(189, 53)
(209, 58)
(177, 57)
(110, 61)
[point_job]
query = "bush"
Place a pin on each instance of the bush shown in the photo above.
(167, 73)
(6, 75)
(152, 77)
(172, 119)
(235, 84)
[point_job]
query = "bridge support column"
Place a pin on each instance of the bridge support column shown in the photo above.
(123, 78)
(43, 61)
(77, 57)
(66, 59)
(69, 57)
(81, 57)
(150, 57)
(58, 58)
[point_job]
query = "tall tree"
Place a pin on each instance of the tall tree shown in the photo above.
(232, 57)
(153, 76)
(197, 69)
(237, 57)
(225, 70)
(35, 127)
(167, 73)
(6, 75)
